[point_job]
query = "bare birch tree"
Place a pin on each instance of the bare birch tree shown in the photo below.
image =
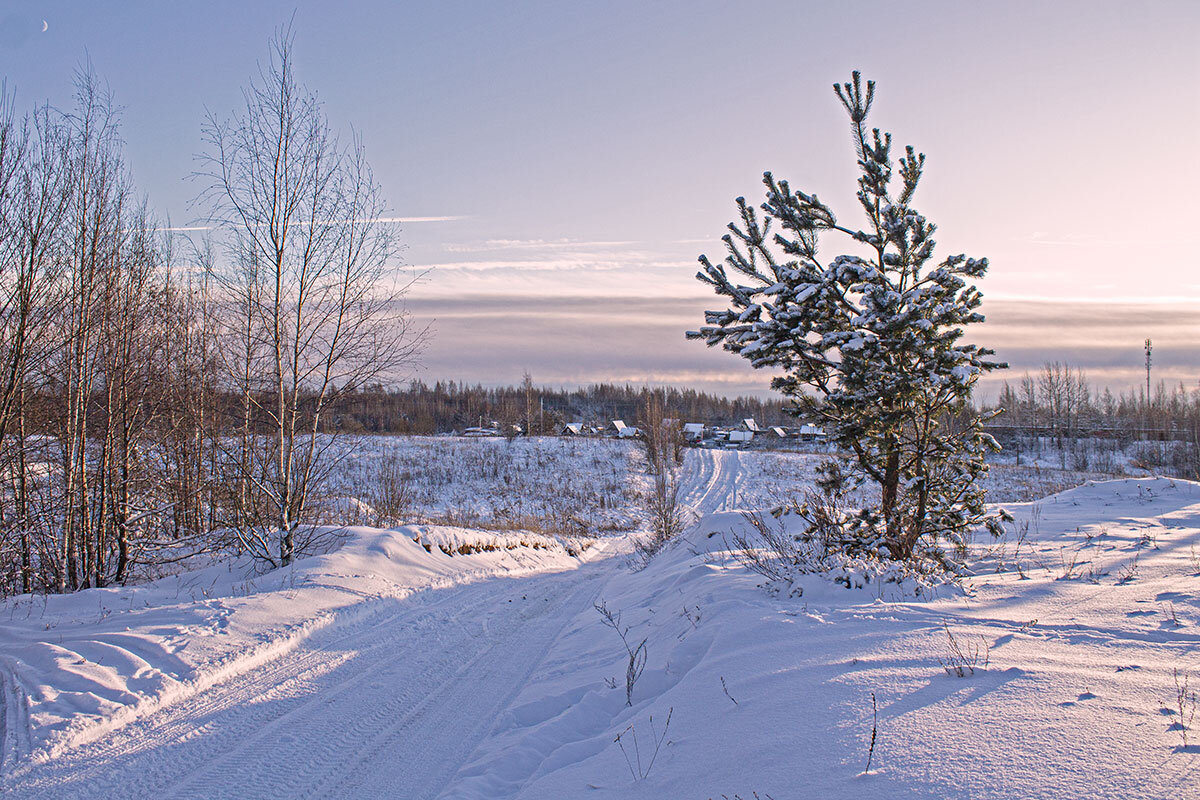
(305, 311)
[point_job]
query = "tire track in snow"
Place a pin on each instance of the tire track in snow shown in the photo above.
(213, 713)
(293, 725)
(14, 722)
(211, 717)
(710, 484)
(706, 485)
(458, 701)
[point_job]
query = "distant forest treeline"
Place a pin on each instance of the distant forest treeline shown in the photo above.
(449, 406)
(1057, 409)
(1059, 401)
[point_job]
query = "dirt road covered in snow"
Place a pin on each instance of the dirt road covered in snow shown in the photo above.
(389, 704)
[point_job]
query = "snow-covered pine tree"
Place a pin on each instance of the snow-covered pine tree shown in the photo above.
(868, 345)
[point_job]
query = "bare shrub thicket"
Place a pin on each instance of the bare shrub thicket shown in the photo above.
(554, 486)
(663, 442)
(392, 493)
(770, 550)
(667, 518)
(773, 551)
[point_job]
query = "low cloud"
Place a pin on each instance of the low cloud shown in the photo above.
(573, 341)
(493, 245)
(570, 340)
(384, 220)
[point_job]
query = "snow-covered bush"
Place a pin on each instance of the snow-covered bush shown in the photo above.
(463, 542)
(795, 556)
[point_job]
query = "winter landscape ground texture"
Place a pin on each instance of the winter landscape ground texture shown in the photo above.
(388, 667)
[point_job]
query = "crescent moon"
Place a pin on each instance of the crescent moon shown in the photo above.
(45, 26)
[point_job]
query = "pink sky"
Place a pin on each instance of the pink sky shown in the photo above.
(569, 161)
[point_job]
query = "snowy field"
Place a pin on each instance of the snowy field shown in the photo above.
(770, 478)
(587, 486)
(549, 484)
(392, 668)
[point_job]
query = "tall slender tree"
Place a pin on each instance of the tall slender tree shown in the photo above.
(305, 313)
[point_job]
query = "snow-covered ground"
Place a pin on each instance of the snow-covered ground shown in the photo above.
(556, 484)
(74, 666)
(386, 669)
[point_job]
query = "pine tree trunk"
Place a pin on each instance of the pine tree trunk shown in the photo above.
(890, 491)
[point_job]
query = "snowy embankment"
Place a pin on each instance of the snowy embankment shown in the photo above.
(73, 667)
(1071, 633)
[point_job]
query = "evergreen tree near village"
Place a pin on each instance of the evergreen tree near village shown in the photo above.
(868, 345)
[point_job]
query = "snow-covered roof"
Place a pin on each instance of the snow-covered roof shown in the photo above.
(619, 424)
(693, 427)
(778, 431)
(481, 432)
(574, 427)
(751, 425)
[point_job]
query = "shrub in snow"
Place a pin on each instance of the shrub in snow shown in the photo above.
(637, 653)
(663, 445)
(666, 515)
(964, 654)
(644, 760)
(868, 346)
(791, 559)
(1186, 702)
